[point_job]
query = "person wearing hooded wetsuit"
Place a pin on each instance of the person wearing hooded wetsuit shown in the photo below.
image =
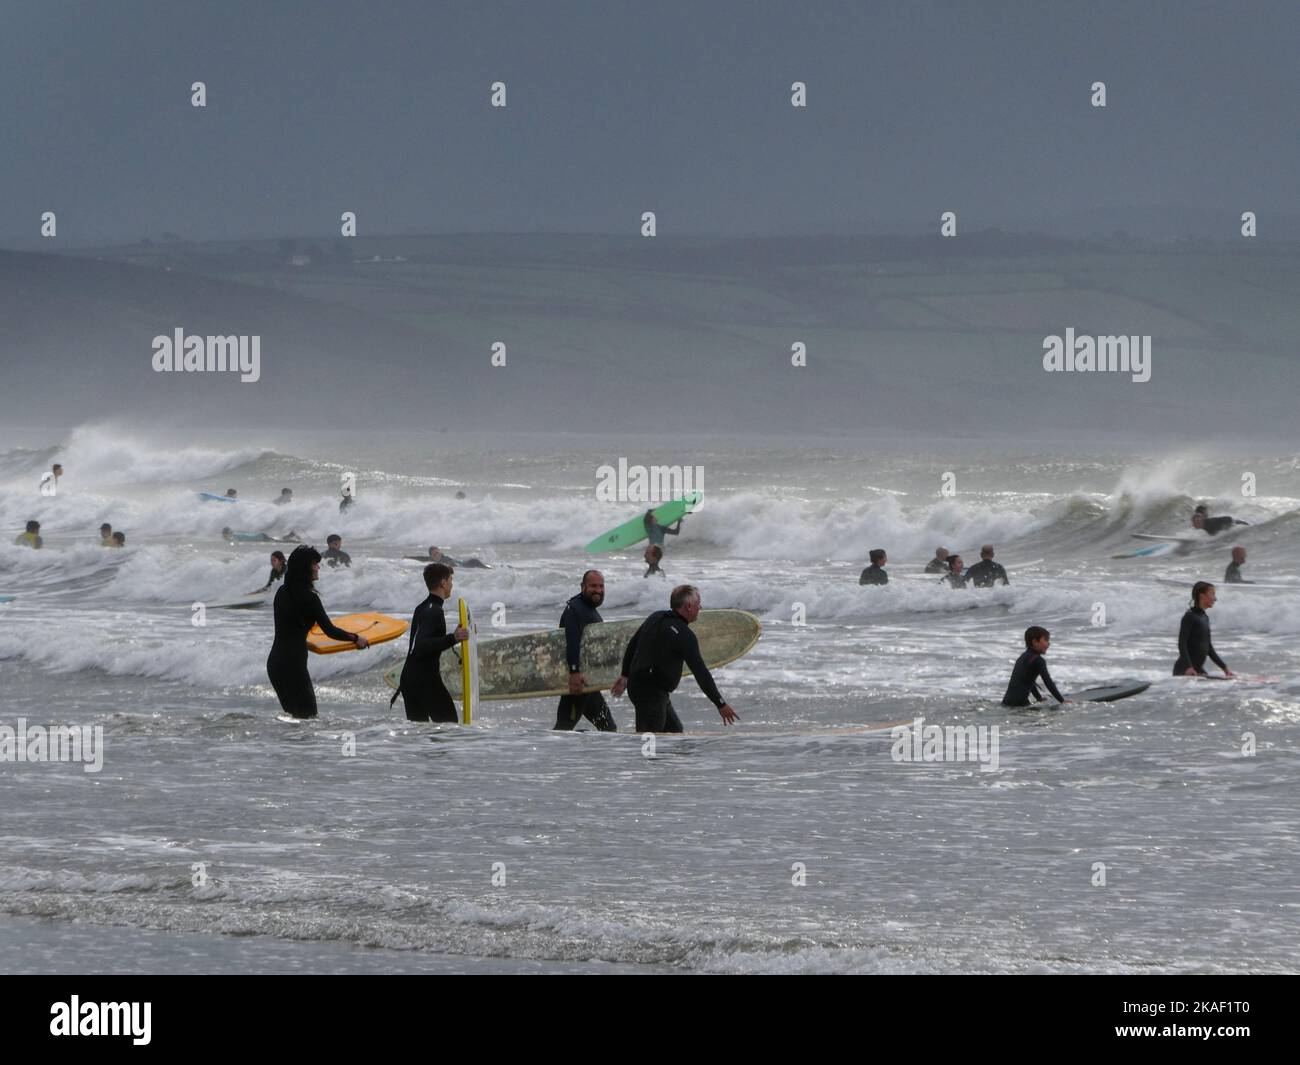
(1030, 668)
(297, 608)
(579, 612)
(423, 693)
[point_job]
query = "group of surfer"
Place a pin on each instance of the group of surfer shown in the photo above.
(32, 536)
(984, 574)
(651, 667)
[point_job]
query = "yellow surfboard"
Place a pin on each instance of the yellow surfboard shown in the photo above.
(377, 628)
(468, 666)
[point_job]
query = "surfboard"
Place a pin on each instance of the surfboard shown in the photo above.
(633, 531)
(212, 497)
(1159, 550)
(531, 665)
(1108, 693)
(251, 601)
(7, 598)
(1222, 586)
(468, 666)
(377, 628)
(1170, 539)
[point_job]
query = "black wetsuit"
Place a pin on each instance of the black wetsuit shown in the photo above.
(955, 579)
(344, 504)
(873, 574)
(577, 615)
(1030, 667)
(1194, 644)
(297, 608)
(425, 696)
(334, 557)
(1214, 526)
(653, 663)
(985, 573)
(937, 565)
(276, 575)
(1232, 575)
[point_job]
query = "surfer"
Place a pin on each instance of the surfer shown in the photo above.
(655, 532)
(579, 612)
(277, 571)
(334, 553)
(106, 535)
(1232, 575)
(231, 494)
(286, 496)
(1030, 668)
(1213, 526)
(119, 540)
(51, 479)
(653, 663)
(436, 555)
(875, 573)
(423, 693)
(345, 503)
(653, 556)
(297, 608)
(938, 564)
(954, 576)
(1194, 644)
(32, 537)
(985, 573)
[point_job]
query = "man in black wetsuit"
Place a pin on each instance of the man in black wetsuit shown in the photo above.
(1233, 573)
(1194, 644)
(334, 553)
(653, 663)
(1213, 526)
(1030, 668)
(345, 504)
(297, 608)
(579, 612)
(286, 496)
(875, 573)
(938, 564)
(985, 573)
(423, 693)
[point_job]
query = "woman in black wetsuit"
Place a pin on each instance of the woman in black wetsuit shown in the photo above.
(297, 609)
(1194, 645)
(277, 571)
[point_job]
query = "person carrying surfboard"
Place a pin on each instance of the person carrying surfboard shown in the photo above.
(423, 693)
(1194, 644)
(579, 612)
(1030, 668)
(655, 532)
(653, 664)
(1232, 575)
(297, 608)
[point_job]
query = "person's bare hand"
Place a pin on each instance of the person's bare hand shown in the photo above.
(729, 716)
(362, 642)
(576, 683)
(620, 686)
(461, 634)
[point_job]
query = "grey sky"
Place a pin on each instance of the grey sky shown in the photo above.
(616, 108)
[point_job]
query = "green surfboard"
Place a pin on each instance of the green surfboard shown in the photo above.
(632, 532)
(532, 664)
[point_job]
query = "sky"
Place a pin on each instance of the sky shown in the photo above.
(617, 108)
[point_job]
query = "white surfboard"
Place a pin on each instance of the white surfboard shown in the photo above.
(468, 665)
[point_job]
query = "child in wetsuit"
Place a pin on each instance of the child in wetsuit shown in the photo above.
(1030, 667)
